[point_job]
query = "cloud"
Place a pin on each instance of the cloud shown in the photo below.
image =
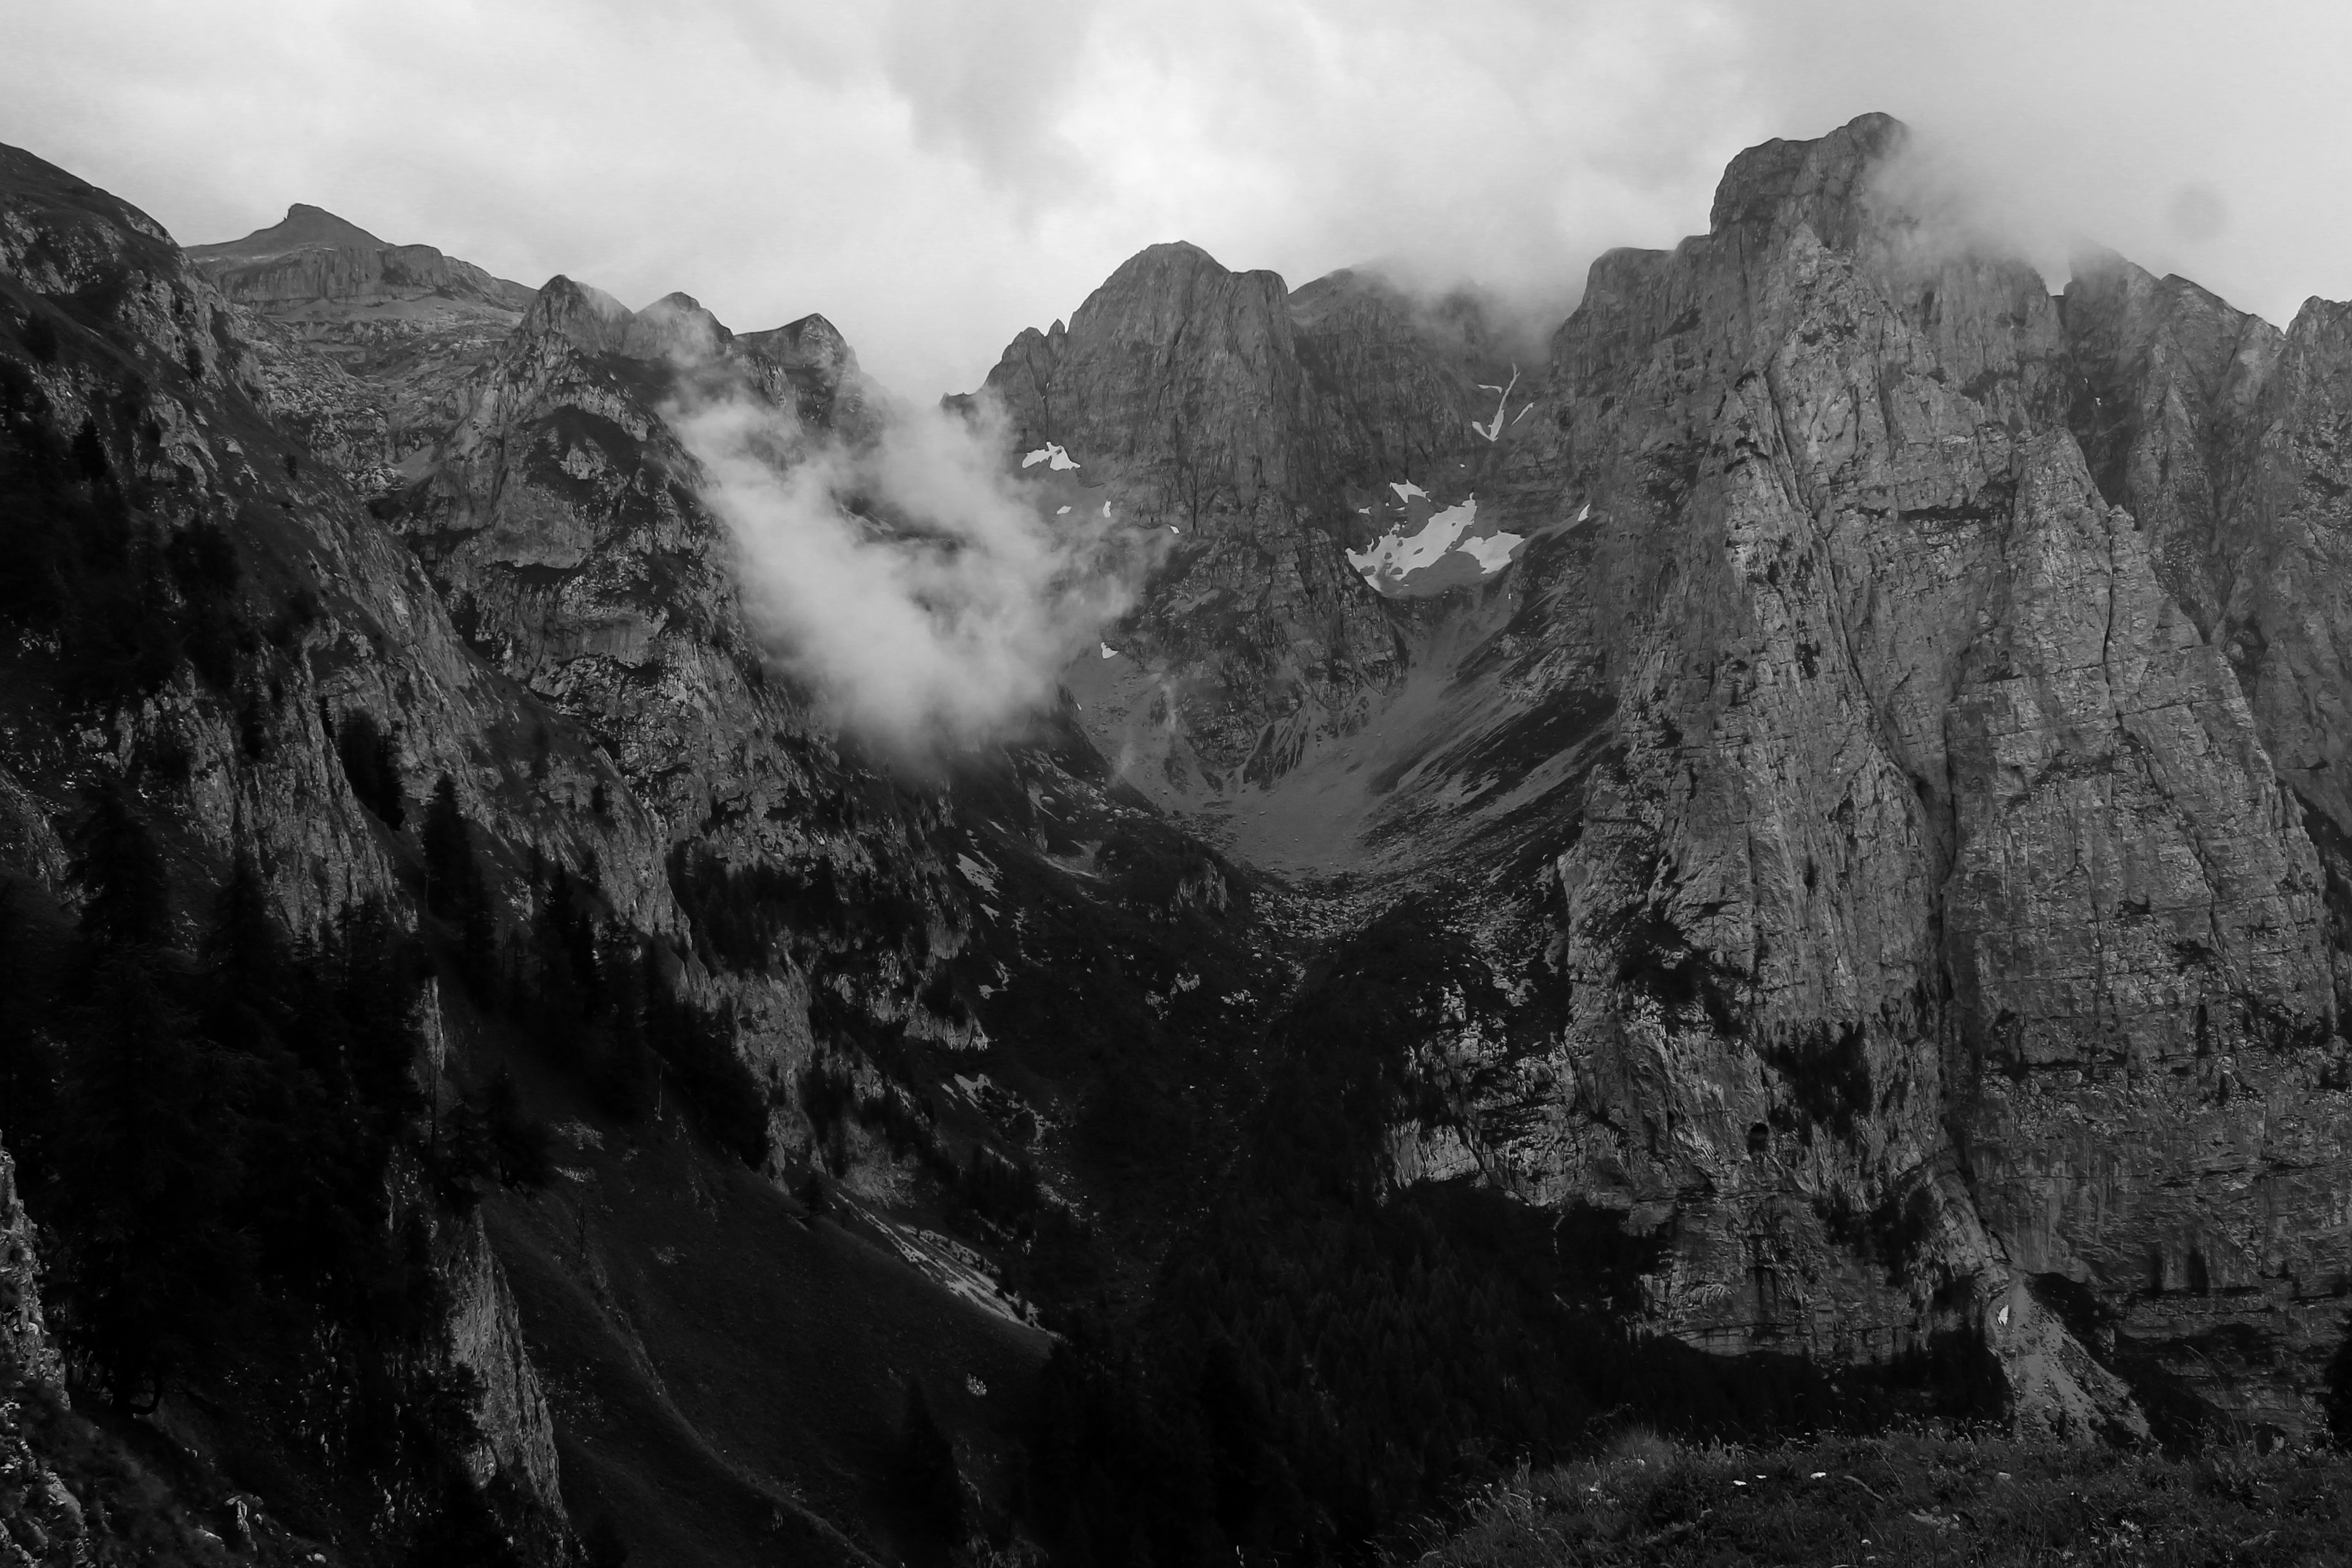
(934, 175)
(915, 583)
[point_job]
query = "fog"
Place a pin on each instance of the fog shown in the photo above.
(929, 598)
(935, 174)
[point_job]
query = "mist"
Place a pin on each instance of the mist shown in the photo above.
(921, 590)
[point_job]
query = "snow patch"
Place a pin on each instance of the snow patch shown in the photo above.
(1493, 552)
(1061, 512)
(978, 873)
(1109, 651)
(1493, 431)
(1396, 557)
(1052, 455)
(1408, 489)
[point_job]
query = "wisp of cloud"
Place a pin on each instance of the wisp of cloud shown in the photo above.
(915, 584)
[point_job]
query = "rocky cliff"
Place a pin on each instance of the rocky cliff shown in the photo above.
(212, 691)
(1889, 764)
(404, 324)
(1918, 697)
(1262, 429)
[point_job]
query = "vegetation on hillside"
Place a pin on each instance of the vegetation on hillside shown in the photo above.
(1323, 1359)
(227, 1149)
(1915, 1497)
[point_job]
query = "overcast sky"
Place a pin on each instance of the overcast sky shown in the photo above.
(935, 174)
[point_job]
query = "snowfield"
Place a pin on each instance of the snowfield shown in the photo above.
(1402, 566)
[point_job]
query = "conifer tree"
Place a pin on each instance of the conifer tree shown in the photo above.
(452, 887)
(127, 898)
(28, 1061)
(146, 1147)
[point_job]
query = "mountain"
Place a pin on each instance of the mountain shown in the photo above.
(402, 324)
(1781, 867)
(1893, 758)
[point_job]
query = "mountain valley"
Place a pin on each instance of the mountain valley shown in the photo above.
(1784, 869)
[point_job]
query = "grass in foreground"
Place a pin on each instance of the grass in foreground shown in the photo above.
(1911, 1498)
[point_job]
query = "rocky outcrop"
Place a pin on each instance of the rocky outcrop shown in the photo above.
(394, 332)
(486, 1338)
(26, 1353)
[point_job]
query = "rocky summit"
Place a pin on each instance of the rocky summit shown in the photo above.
(1776, 864)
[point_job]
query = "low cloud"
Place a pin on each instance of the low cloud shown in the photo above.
(927, 595)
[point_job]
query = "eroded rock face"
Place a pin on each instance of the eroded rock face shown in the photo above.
(562, 522)
(1250, 426)
(1936, 831)
(1863, 763)
(26, 1353)
(395, 331)
(118, 346)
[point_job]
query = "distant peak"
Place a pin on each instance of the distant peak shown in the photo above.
(811, 342)
(304, 227)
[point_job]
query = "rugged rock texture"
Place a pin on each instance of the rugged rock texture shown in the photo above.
(1253, 425)
(115, 340)
(26, 1353)
(1894, 906)
(563, 524)
(486, 1337)
(405, 326)
(1934, 836)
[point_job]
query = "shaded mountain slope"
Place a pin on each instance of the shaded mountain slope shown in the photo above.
(213, 629)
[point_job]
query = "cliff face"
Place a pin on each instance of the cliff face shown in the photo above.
(26, 1353)
(560, 521)
(1937, 837)
(212, 695)
(1861, 773)
(1260, 429)
(393, 331)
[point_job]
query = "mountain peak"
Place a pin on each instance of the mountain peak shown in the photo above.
(1818, 181)
(304, 227)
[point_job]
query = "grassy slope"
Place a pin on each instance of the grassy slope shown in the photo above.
(1909, 1498)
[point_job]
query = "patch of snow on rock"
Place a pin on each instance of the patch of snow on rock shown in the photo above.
(1061, 512)
(1052, 456)
(1493, 431)
(1493, 552)
(1395, 555)
(1109, 651)
(1397, 559)
(1408, 489)
(978, 875)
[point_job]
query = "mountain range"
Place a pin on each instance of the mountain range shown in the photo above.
(1787, 864)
